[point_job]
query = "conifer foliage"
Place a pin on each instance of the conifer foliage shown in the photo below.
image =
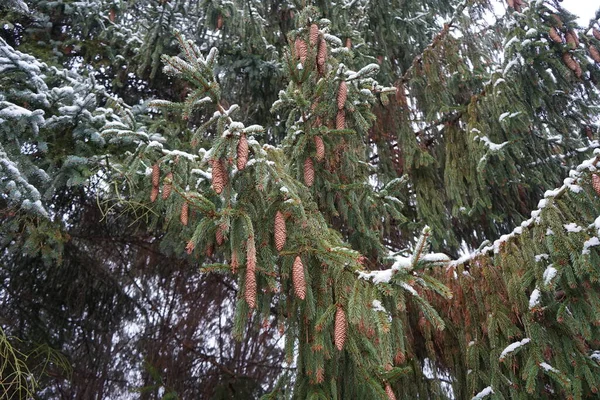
(394, 206)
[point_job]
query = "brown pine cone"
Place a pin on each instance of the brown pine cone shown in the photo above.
(220, 234)
(339, 334)
(594, 53)
(155, 175)
(250, 293)
(314, 34)
(342, 95)
(219, 176)
(154, 193)
(185, 213)
(596, 183)
(389, 392)
(234, 262)
(319, 148)
(309, 172)
(554, 35)
(572, 39)
(301, 50)
(340, 120)
(298, 278)
(167, 186)
(242, 152)
(321, 56)
(280, 231)
(596, 33)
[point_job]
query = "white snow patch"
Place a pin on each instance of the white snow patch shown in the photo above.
(593, 241)
(512, 347)
(484, 393)
(573, 227)
(534, 299)
(549, 274)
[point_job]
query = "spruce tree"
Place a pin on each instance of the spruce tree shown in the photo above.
(412, 203)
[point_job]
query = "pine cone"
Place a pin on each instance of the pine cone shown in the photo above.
(298, 278)
(594, 53)
(155, 175)
(219, 176)
(189, 247)
(570, 62)
(280, 231)
(250, 293)
(321, 56)
(242, 152)
(319, 148)
(558, 21)
(596, 183)
(167, 186)
(342, 95)
(314, 34)
(219, 21)
(234, 262)
(389, 392)
(554, 35)
(220, 234)
(301, 50)
(185, 213)
(596, 33)
(339, 336)
(154, 193)
(309, 172)
(348, 43)
(340, 120)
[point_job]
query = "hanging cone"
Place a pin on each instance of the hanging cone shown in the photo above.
(280, 231)
(298, 278)
(219, 176)
(234, 262)
(155, 175)
(189, 247)
(220, 234)
(348, 43)
(167, 186)
(511, 3)
(569, 61)
(596, 33)
(572, 39)
(321, 56)
(309, 172)
(340, 120)
(250, 293)
(111, 15)
(594, 53)
(242, 152)
(301, 50)
(314, 34)
(342, 95)
(339, 335)
(596, 183)
(319, 148)
(185, 213)
(154, 193)
(219, 21)
(554, 35)
(389, 392)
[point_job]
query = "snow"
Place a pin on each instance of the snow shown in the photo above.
(573, 227)
(377, 306)
(549, 274)
(512, 347)
(549, 368)
(549, 232)
(435, 258)
(534, 299)
(377, 276)
(484, 393)
(489, 144)
(593, 241)
(595, 356)
(409, 288)
(540, 257)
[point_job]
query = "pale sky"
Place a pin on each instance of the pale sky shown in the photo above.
(586, 9)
